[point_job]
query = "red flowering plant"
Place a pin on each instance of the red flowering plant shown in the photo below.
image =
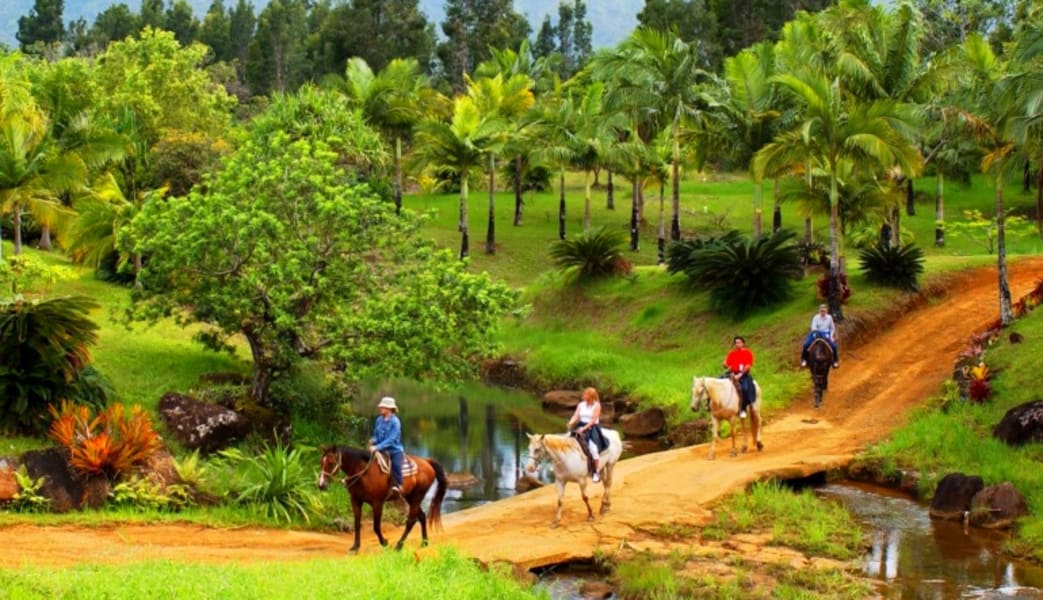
(110, 443)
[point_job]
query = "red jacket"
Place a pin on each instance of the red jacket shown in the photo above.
(739, 357)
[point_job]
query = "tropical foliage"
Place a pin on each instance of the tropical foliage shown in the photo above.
(594, 253)
(743, 275)
(110, 442)
(276, 482)
(895, 266)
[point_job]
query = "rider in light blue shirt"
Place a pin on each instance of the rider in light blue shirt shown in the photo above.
(387, 437)
(822, 326)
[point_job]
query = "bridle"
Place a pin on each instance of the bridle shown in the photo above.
(348, 480)
(540, 454)
(703, 391)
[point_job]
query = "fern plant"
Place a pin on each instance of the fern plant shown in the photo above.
(29, 497)
(743, 275)
(898, 267)
(596, 253)
(681, 254)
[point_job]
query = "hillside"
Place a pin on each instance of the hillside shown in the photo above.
(612, 19)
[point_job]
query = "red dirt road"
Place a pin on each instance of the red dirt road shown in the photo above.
(869, 397)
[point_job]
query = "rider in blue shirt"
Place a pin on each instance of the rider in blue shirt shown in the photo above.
(387, 437)
(822, 326)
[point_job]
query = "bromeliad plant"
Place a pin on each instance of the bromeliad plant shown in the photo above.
(111, 443)
(978, 388)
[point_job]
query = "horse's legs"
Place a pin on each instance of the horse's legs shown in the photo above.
(732, 434)
(414, 510)
(356, 510)
(755, 420)
(713, 438)
(561, 495)
(745, 425)
(606, 481)
(423, 528)
(378, 510)
(586, 500)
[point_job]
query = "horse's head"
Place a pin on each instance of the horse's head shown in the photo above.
(328, 466)
(699, 392)
(536, 453)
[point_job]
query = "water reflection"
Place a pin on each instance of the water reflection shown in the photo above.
(921, 558)
(474, 431)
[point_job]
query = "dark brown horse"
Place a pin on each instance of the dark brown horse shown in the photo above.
(366, 483)
(820, 360)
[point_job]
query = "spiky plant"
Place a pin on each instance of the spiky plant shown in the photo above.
(895, 267)
(743, 275)
(276, 482)
(596, 253)
(110, 443)
(679, 255)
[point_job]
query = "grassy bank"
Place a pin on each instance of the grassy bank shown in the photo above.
(391, 576)
(951, 435)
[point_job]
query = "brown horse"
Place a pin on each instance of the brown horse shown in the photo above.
(366, 483)
(820, 359)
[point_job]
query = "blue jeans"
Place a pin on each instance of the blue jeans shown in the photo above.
(811, 338)
(396, 466)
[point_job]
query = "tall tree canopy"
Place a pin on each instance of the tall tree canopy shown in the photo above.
(471, 28)
(43, 24)
(376, 31)
(287, 249)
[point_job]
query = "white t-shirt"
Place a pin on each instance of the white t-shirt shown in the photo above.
(824, 324)
(586, 411)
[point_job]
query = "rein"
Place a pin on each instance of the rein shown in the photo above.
(350, 480)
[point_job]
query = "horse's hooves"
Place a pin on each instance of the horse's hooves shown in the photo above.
(423, 544)
(590, 519)
(554, 524)
(604, 510)
(711, 457)
(760, 446)
(744, 449)
(354, 550)
(733, 453)
(398, 547)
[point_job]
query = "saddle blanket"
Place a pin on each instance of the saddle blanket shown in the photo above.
(408, 465)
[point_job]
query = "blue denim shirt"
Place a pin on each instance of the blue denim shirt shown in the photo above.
(387, 434)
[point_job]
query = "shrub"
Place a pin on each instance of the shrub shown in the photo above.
(111, 443)
(29, 498)
(813, 254)
(596, 253)
(893, 266)
(979, 389)
(742, 275)
(143, 494)
(679, 255)
(277, 482)
(43, 355)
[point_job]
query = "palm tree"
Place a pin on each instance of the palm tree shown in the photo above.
(991, 115)
(458, 147)
(663, 69)
(557, 118)
(595, 138)
(392, 101)
(509, 99)
(834, 128)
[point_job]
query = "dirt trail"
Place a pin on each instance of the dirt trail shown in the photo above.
(869, 396)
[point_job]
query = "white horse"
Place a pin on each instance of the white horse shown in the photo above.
(570, 464)
(722, 400)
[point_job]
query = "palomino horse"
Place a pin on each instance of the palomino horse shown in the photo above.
(366, 483)
(722, 399)
(570, 464)
(820, 360)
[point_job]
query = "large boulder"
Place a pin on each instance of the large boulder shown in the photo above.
(61, 484)
(8, 484)
(645, 423)
(562, 400)
(689, 433)
(952, 497)
(1022, 424)
(201, 426)
(997, 506)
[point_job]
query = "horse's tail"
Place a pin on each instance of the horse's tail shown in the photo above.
(434, 516)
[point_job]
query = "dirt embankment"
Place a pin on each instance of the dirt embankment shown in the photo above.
(872, 394)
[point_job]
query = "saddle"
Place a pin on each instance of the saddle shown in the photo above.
(384, 462)
(582, 439)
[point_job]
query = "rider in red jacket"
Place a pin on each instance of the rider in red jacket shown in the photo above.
(738, 362)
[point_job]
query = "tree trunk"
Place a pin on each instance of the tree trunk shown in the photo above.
(896, 227)
(939, 212)
(910, 197)
(808, 236)
(661, 246)
(45, 238)
(16, 225)
(1026, 177)
(758, 223)
(675, 200)
(137, 270)
(634, 230)
(610, 198)
(262, 369)
(464, 241)
(776, 213)
(490, 235)
(1006, 313)
(398, 175)
(586, 201)
(517, 190)
(885, 235)
(1039, 201)
(561, 205)
(834, 250)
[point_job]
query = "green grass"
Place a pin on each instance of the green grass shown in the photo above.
(796, 519)
(937, 442)
(391, 575)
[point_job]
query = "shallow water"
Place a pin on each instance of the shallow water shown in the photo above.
(473, 430)
(914, 556)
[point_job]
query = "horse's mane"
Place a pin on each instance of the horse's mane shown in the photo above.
(354, 453)
(557, 443)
